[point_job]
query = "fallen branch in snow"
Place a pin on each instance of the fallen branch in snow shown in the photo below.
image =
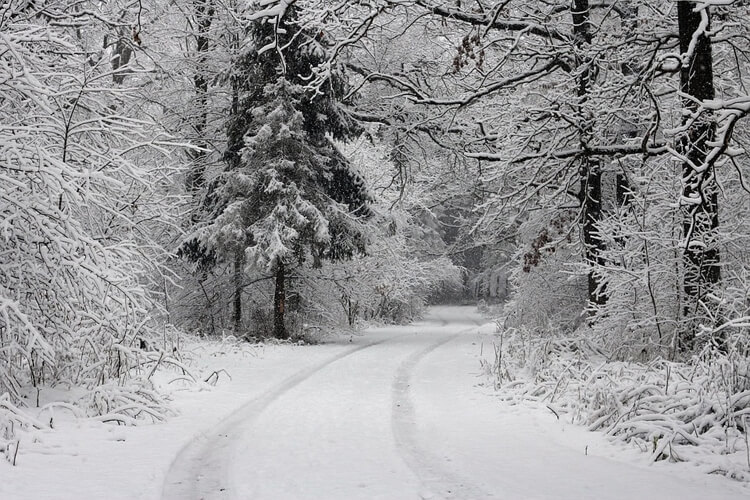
(215, 376)
(553, 411)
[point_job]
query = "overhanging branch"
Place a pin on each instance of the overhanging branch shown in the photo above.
(612, 150)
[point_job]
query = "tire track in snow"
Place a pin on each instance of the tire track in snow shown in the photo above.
(200, 469)
(437, 481)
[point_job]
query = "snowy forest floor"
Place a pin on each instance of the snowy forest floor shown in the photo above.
(394, 413)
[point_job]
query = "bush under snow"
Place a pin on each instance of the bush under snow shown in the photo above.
(696, 411)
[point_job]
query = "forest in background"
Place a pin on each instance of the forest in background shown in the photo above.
(282, 168)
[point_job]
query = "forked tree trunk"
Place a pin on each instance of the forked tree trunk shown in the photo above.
(700, 211)
(279, 303)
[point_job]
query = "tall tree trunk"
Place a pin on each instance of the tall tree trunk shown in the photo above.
(204, 13)
(279, 303)
(121, 54)
(239, 272)
(590, 168)
(700, 201)
(591, 189)
(629, 24)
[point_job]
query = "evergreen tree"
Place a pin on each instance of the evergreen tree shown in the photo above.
(287, 194)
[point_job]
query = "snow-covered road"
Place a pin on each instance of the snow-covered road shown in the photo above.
(400, 413)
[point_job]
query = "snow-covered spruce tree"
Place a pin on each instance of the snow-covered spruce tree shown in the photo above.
(287, 195)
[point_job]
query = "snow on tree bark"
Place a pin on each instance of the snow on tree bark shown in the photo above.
(279, 302)
(700, 193)
(203, 12)
(590, 167)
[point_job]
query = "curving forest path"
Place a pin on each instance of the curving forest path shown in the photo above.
(400, 414)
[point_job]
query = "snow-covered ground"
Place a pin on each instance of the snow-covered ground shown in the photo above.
(395, 413)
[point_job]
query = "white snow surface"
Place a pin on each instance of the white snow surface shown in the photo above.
(395, 413)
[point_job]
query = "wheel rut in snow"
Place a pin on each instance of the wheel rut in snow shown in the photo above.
(437, 480)
(200, 469)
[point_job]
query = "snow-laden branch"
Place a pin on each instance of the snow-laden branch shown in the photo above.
(506, 83)
(491, 20)
(654, 149)
(271, 8)
(725, 114)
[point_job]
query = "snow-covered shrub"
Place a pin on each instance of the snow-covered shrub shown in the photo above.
(77, 209)
(549, 294)
(391, 283)
(647, 310)
(696, 411)
(620, 370)
(642, 269)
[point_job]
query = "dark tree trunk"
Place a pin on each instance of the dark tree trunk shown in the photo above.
(123, 51)
(591, 187)
(700, 208)
(204, 13)
(239, 271)
(629, 23)
(590, 169)
(279, 303)
(623, 193)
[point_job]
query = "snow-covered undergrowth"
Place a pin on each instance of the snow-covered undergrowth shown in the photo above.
(124, 401)
(141, 394)
(83, 196)
(696, 411)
